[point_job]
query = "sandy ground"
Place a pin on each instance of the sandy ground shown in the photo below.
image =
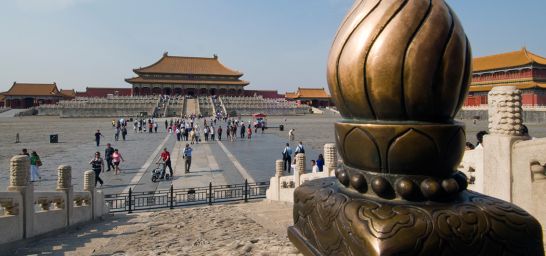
(233, 229)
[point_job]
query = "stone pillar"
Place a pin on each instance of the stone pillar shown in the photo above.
(89, 186)
(505, 127)
(279, 168)
(330, 158)
(19, 172)
(64, 184)
(300, 169)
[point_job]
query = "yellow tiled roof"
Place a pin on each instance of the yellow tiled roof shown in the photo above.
(506, 60)
(68, 93)
(175, 81)
(319, 93)
(290, 95)
(27, 89)
(188, 65)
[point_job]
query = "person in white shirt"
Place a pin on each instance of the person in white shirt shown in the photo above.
(211, 132)
(314, 166)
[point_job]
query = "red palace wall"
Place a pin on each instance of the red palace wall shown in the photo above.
(528, 98)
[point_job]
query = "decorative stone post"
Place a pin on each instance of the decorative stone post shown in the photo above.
(89, 181)
(299, 169)
(64, 184)
(399, 71)
(89, 186)
(19, 172)
(330, 158)
(505, 112)
(505, 128)
(279, 168)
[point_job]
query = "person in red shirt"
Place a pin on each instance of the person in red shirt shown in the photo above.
(166, 157)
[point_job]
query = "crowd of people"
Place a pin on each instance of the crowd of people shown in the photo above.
(189, 129)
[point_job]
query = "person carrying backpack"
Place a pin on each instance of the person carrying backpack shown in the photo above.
(287, 157)
(299, 149)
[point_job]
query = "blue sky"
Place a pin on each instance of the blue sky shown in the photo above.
(278, 44)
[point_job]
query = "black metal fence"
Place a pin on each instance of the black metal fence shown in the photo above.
(140, 201)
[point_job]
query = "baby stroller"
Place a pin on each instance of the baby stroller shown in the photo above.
(156, 172)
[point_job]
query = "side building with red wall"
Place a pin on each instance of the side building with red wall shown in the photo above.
(522, 69)
(26, 95)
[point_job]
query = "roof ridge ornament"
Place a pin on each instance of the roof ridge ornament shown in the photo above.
(399, 71)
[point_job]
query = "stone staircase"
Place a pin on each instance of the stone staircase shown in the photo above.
(192, 107)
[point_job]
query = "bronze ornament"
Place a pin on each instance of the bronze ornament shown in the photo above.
(399, 71)
(330, 219)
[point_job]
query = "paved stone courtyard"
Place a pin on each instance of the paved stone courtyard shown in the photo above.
(217, 162)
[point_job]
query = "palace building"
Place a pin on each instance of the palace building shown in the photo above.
(523, 69)
(315, 97)
(26, 95)
(194, 76)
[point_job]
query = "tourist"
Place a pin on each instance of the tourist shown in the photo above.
(123, 132)
(192, 136)
(35, 162)
(263, 127)
(166, 124)
(116, 134)
(197, 134)
(155, 126)
(234, 132)
(140, 126)
(166, 157)
(287, 157)
(186, 132)
(135, 125)
(212, 132)
(187, 157)
(219, 133)
(228, 130)
(243, 130)
(206, 132)
(150, 126)
(97, 165)
(479, 137)
(116, 159)
(249, 132)
(320, 162)
(108, 155)
(25, 152)
(97, 137)
(291, 135)
(314, 166)
(177, 134)
(299, 149)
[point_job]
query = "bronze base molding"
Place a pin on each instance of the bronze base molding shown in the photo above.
(402, 148)
(330, 219)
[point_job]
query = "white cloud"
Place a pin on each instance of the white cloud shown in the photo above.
(46, 5)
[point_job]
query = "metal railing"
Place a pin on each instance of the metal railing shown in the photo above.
(142, 201)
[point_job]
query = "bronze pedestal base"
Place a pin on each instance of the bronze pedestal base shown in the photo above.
(330, 219)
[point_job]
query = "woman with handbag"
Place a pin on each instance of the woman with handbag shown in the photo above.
(35, 162)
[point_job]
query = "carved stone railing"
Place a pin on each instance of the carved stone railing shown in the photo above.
(47, 201)
(281, 188)
(25, 213)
